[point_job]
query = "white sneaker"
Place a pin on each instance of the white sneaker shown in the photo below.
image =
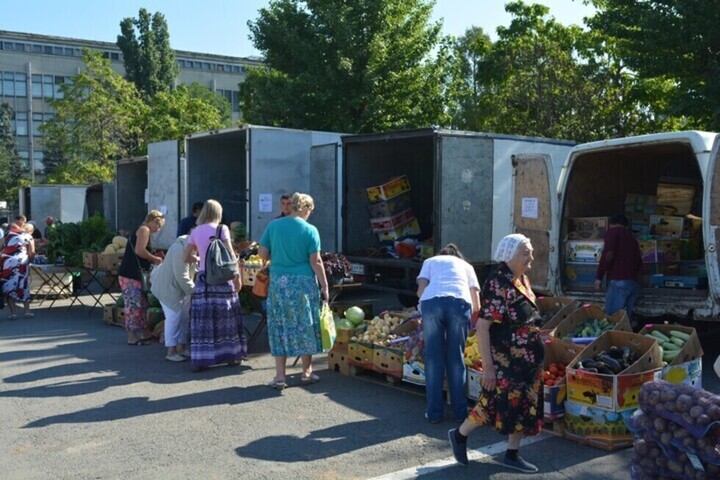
(175, 358)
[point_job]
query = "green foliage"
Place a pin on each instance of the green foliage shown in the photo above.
(670, 42)
(98, 121)
(177, 113)
(148, 58)
(70, 240)
(220, 103)
(360, 66)
(10, 166)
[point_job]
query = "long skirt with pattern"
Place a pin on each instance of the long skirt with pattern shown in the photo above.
(136, 305)
(216, 325)
(293, 315)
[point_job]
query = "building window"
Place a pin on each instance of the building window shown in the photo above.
(38, 158)
(24, 156)
(20, 85)
(37, 86)
(8, 84)
(20, 47)
(21, 124)
(37, 48)
(47, 49)
(37, 123)
(48, 88)
(58, 82)
(8, 46)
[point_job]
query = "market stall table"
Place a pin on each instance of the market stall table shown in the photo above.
(52, 282)
(53, 277)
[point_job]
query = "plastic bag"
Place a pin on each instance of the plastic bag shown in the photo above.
(327, 327)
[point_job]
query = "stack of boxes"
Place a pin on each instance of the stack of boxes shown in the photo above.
(583, 250)
(391, 214)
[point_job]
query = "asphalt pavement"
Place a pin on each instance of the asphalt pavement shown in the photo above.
(76, 402)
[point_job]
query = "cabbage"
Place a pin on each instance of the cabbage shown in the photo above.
(344, 323)
(355, 315)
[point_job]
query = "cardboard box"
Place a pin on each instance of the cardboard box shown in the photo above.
(389, 360)
(392, 188)
(474, 377)
(414, 373)
(648, 251)
(640, 228)
(338, 362)
(678, 281)
(580, 274)
(668, 251)
(587, 228)
(615, 392)
(385, 224)
(108, 261)
(109, 313)
(687, 365)
(557, 309)
(596, 427)
(557, 351)
(666, 226)
(249, 272)
(583, 251)
(360, 355)
(90, 260)
(693, 268)
(407, 229)
(692, 249)
(119, 317)
(680, 197)
(591, 312)
(391, 207)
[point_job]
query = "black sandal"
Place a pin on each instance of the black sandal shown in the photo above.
(139, 342)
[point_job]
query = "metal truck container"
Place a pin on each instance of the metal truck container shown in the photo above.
(465, 187)
(595, 182)
(248, 168)
(64, 202)
(131, 183)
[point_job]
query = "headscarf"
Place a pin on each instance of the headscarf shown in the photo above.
(508, 246)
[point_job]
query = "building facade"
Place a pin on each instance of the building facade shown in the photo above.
(32, 68)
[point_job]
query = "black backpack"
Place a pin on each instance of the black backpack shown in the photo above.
(220, 262)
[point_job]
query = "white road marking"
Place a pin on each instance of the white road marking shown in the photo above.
(481, 454)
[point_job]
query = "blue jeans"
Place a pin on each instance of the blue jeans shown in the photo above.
(621, 294)
(445, 322)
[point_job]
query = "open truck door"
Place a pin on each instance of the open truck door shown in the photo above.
(533, 208)
(324, 190)
(711, 225)
(163, 188)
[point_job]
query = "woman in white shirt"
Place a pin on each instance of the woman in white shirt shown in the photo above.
(449, 292)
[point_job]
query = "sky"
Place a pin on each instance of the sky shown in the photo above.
(220, 26)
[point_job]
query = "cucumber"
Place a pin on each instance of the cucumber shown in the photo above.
(678, 341)
(659, 335)
(670, 346)
(680, 335)
(670, 355)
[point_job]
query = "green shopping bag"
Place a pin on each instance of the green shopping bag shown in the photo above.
(327, 327)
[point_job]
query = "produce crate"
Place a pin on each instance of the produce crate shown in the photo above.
(119, 317)
(678, 281)
(591, 312)
(597, 427)
(554, 396)
(559, 308)
(687, 365)
(389, 360)
(109, 313)
(90, 260)
(360, 355)
(391, 207)
(414, 373)
(109, 261)
(615, 392)
(386, 224)
(587, 228)
(249, 272)
(681, 197)
(474, 377)
(693, 268)
(338, 361)
(666, 226)
(580, 274)
(583, 251)
(393, 188)
(408, 229)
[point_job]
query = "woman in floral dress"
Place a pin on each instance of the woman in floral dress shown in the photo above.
(15, 259)
(512, 355)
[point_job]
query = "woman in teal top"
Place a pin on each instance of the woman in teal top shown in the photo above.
(293, 304)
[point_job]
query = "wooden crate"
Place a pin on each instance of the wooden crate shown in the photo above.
(90, 260)
(109, 261)
(109, 313)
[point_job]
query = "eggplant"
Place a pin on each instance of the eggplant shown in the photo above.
(587, 363)
(613, 364)
(604, 369)
(615, 352)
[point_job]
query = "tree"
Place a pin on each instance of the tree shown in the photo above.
(357, 66)
(10, 166)
(179, 112)
(98, 121)
(221, 104)
(149, 61)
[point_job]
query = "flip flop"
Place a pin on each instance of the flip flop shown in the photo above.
(12, 316)
(139, 342)
(309, 380)
(29, 315)
(277, 384)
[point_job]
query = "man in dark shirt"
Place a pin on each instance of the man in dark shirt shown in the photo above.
(188, 223)
(620, 263)
(285, 205)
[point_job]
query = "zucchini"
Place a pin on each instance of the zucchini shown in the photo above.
(680, 335)
(659, 335)
(678, 341)
(670, 355)
(670, 346)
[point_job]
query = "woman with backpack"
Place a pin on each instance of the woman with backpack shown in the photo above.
(293, 304)
(216, 324)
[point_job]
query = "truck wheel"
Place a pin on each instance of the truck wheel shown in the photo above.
(407, 300)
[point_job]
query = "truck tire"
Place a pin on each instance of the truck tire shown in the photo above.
(407, 300)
